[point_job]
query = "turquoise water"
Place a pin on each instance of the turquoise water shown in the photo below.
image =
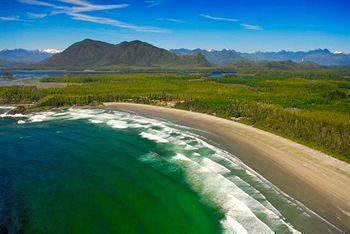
(100, 171)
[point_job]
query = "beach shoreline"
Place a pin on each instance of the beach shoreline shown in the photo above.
(318, 181)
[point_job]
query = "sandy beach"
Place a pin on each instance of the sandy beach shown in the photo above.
(320, 182)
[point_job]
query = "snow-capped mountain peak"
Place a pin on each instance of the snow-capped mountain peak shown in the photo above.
(337, 52)
(51, 51)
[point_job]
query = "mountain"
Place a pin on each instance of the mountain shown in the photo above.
(51, 51)
(183, 51)
(223, 57)
(22, 56)
(95, 54)
(319, 56)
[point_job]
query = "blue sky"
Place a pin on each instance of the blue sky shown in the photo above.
(248, 25)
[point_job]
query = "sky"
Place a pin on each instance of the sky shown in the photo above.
(243, 25)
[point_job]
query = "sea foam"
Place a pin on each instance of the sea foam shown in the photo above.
(153, 137)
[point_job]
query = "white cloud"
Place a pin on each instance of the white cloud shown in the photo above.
(10, 18)
(78, 6)
(153, 3)
(246, 26)
(251, 27)
(82, 6)
(116, 23)
(172, 20)
(88, 8)
(38, 3)
(75, 2)
(31, 15)
(218, 18)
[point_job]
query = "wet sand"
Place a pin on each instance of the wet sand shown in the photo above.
(320, 182)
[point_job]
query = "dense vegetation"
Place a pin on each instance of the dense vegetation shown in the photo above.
(312, 107)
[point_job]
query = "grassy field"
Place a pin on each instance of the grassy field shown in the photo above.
(311, 107)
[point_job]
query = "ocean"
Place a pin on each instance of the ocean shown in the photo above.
(104, 171)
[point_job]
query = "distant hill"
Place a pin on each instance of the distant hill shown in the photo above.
(225, 57)
(96, 54)
(22, 56)
(320, 56)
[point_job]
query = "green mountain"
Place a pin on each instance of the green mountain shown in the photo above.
(96, 54)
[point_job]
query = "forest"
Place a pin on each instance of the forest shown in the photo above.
(311, 107)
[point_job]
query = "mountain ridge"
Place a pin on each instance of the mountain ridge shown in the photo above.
(228, 56)
(91, 54)
(22, 56)
(138, 53)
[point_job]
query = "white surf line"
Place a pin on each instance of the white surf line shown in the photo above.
(255, 193)
(213, 166)
(117, 124)
(275, 219)
(265, 182)
(6, 115)
(220, 190)
(153, 137)
(266, 208)
(231, 224)
(81, 113)
(95, 121)
(40, 117)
